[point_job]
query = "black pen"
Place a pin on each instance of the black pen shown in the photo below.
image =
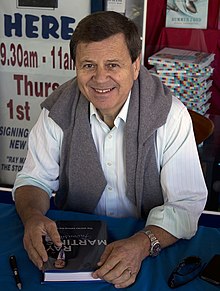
(14, 268)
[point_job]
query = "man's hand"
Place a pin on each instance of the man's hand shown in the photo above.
(32, 203)
(36, 227)
(121, 260)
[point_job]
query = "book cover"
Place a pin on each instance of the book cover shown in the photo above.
(183, 79)
(187, 13)
(188, 92)
(181, 58)
(202, 99)
(201, 109)
(166, 69)
(189, 85)
(83, 245)
(193, 97)
(185, 74)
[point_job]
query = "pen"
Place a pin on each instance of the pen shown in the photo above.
(14, 268)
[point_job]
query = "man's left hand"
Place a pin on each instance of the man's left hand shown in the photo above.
(121, 260)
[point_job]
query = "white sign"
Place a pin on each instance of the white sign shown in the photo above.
(116, 5)
(34, 61)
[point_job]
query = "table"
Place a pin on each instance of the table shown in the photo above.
(154, 272)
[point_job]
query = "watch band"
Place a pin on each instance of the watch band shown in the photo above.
(155, 247)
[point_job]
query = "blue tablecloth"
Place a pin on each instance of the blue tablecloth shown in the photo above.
(154, 272)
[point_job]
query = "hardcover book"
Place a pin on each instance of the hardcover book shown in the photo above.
(182, 80)
(203, 86)
(179, 58)
(202, 99)
(83, 245)
(204, 73)
(187, 13)
(189, 92)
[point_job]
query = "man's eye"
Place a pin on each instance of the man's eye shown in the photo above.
(112, 66)
(88, 66)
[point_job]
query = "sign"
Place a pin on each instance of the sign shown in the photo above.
(34, 61)
(187, 14)
(116, 5)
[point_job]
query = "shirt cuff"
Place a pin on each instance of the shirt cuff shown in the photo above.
(23, 180)
(174, 220)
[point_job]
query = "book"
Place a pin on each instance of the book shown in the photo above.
(204, 97)
(180, 58)
(189, 92)
(170, 71)
(187, 13)
(83, 243)
(184, 86)
(200, 109)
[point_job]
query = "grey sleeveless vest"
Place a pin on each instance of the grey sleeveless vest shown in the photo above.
(81, 179)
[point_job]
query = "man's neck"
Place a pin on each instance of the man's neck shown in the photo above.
(108, 119)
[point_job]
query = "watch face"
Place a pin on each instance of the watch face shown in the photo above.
(155, 250)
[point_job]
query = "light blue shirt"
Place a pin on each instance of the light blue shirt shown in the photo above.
(184, 193)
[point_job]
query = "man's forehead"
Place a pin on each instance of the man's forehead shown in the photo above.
(118, 36)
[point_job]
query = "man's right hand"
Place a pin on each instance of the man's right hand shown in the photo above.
(37, 226)
(32, 203)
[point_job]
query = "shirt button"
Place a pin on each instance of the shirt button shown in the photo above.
(110, 188)
(109, 163)
(109, 136)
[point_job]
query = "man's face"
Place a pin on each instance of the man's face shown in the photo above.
(59, 264)
(105, 73)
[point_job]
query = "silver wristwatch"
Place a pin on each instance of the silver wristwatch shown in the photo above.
(155, 247)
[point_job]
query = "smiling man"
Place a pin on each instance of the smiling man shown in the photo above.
(105, 76)
(112, 141)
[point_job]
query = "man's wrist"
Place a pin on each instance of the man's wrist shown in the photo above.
(155, 246)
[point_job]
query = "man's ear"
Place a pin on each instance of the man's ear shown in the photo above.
(136, 66)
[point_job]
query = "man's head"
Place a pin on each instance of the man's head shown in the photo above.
(59, 263)
(101, 25)
(106, 50)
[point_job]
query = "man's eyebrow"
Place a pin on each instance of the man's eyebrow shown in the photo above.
(107, 61)
(113, 61)
(86, 61)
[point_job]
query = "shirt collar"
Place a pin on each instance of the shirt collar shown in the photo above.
(121, 115)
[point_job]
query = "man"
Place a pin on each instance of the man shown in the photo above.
(112, 141)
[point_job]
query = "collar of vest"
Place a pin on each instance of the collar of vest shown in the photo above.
(148, 109)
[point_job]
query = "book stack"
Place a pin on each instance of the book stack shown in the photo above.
(188, 75)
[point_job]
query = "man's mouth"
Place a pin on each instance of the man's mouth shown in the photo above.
(103, 91)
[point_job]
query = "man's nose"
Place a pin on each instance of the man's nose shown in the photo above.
(101, 74)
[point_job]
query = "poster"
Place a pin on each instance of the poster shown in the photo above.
(187, 14)
(116, 5)
(34, 61)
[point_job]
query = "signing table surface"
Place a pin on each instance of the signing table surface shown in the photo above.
(154, 271)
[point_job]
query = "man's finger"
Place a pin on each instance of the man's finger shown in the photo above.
(33, 253)
(53, 233)
(127, 282)
(105, 255)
